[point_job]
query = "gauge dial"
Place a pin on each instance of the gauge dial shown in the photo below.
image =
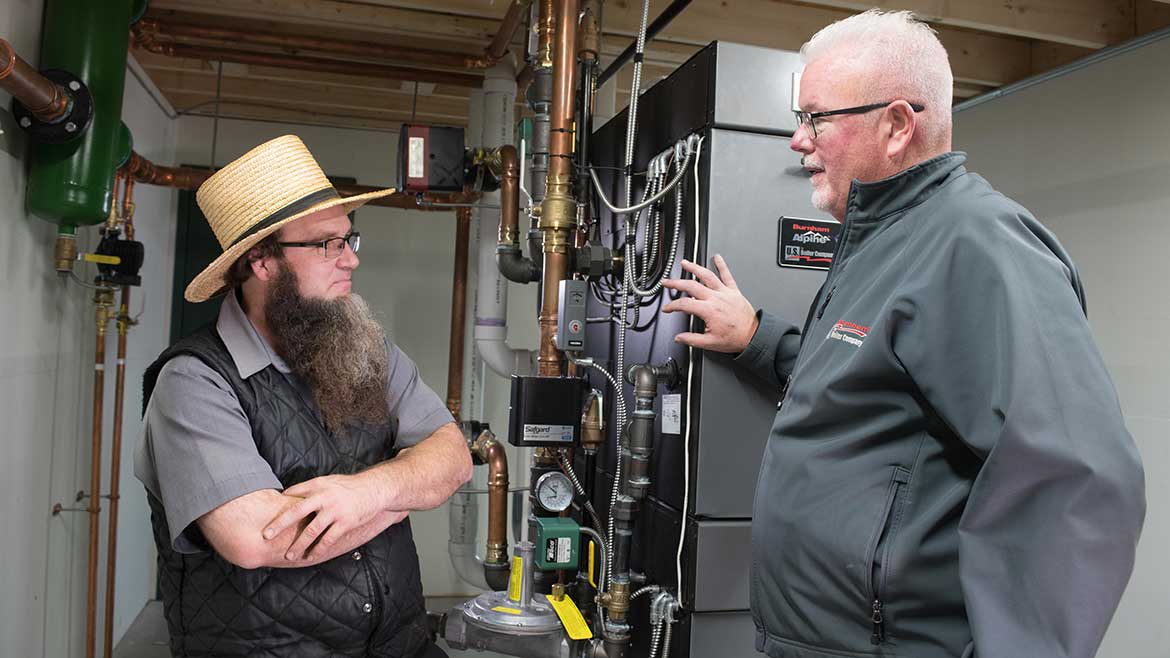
(554, 491)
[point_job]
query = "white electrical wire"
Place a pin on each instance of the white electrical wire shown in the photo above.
(682, 533)
(523, 189)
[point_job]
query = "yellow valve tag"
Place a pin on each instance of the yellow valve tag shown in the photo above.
(592, 581)
(571, 617)
(104, 260)
(507, 611)
(515, 578)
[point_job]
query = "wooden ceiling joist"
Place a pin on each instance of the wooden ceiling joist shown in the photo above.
(1083, 23)
(991, 43)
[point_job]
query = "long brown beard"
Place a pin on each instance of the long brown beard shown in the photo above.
(336, 347)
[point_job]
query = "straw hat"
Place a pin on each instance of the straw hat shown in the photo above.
(273, 184)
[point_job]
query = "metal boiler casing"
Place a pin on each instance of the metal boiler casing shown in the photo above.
(739, 98)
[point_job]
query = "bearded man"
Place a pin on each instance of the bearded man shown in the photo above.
(285, 446)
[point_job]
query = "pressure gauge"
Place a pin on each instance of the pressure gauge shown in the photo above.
(554, 491)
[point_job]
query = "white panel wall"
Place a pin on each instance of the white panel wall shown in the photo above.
(46, 373)
(406, 274)
(1089, 154)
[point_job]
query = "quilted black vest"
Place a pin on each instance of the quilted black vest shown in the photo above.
(366, 603)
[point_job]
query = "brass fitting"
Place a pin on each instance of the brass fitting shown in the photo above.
(558, 216)
(592, 431)
(125, 320)
(558, 592)
(480, 443)
(104, 313)
(496, 553)
(589, 36)
(619, 601)
(509, 236)
(546, 456)
(113, 219)
(64, 253)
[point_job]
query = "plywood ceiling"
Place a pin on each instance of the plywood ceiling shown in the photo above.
(991, 43)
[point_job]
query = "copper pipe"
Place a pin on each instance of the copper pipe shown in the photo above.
(546, 27)
(499, 45)
(152, 28)
(116, 470)
(410, 201)
(45, 99)
(509, 196)
(104, 299)
(458, 314)
(144, 39)
(492, 451)
(564, 90)
(184, 178)
(124, 322)
(145, 171)
(558, 216)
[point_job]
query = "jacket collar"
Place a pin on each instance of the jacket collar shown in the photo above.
(248, 349)
(879, 199)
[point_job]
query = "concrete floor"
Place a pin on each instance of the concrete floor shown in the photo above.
(148, 637)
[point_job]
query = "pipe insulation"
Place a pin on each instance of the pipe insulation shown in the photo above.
(491, 300)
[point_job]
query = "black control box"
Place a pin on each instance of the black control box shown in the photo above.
(430, 159)
(545, 411)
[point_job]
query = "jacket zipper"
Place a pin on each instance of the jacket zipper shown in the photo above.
(876, 617)
(825, 304)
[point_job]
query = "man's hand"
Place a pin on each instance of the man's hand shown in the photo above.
(729, 317)
(339, 505)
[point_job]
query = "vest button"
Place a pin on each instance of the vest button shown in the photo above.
(357, 555)
(368, 607)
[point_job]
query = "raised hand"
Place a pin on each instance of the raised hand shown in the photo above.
(729, 317)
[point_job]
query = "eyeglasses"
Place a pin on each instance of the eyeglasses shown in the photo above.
(810, 118)
(331, 248)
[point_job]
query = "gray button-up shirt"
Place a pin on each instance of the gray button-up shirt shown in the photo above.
(197, 450)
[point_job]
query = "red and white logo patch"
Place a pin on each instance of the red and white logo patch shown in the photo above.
(849, 332)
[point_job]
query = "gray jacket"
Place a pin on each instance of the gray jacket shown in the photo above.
(948, 473)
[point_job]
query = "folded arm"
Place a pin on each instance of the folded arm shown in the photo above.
(235, 528)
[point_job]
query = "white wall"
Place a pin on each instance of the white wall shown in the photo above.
(1089, 154)
(46, 356)
(406, 274)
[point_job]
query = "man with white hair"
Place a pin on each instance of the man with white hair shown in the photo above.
(948, 473)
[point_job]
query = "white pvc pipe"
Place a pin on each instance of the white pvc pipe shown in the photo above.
(491, 307)
(491, 116)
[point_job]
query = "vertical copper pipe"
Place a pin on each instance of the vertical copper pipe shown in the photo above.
(497, 538)
(124, 323)
(564, 89)
(545, 30)
(45, 99)
(101, 316)
(509, 197)
(458, 314)
(558, 215)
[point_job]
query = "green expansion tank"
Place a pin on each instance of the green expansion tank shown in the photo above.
(72, 184)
